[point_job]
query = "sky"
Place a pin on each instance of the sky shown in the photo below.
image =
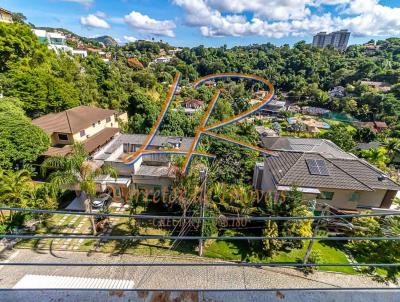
(215, 22)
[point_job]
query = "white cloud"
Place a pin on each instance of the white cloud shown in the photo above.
(144, 23)
(100, 14)
(130, 39)
(280, 18)
(86, 3)
(94, 21)
(271, 9)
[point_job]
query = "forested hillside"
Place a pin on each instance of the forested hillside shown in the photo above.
(44, 82)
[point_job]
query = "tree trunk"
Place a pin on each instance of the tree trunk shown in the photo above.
(88, 206)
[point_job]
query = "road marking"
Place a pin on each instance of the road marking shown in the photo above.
(12, 256)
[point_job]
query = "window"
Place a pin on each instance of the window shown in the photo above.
(82, 133)
(62, 137)
(355, 197)
(108, 119)
(326, 195)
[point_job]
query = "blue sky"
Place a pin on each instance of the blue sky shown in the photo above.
(215, 22)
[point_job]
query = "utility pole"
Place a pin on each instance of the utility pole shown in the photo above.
(310, 245)
(203, 196)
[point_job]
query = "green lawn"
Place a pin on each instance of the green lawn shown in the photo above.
(237, 251)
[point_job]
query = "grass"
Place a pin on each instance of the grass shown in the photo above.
(226, 250)
(329, 252)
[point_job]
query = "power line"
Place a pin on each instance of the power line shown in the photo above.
(158, 237)
(248, 218)
(200, 264)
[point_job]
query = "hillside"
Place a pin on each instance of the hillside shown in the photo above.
(78, 41)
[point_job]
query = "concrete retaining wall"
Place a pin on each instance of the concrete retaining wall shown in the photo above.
(391, 295)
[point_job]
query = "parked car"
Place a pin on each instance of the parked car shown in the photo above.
(101, 201)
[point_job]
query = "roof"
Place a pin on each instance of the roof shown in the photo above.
(5, 11)
(304, 145)
(380, 124)
(72, 120)
(192, 103)
(183, 143)
(366, 146)
(159, 171)
(289, 168)
(91, 144)
(99, 139)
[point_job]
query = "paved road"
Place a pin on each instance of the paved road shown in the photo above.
(173, 277)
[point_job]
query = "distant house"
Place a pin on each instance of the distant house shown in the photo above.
(375, 126)
(5, 16)
(275, 106)
(265, 132)
(210, 83)
(192, 105)
(371, 48)
(380, 86)
(174, 51)
(163, 60)
(91, 126)
(310, 124)
(314, 110)
(337, 92)
(58, 42)
(260, 94)
(325, 174)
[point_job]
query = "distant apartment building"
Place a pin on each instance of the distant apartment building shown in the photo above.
(57, 42)
(91, 126)
(337, 39)
(5, 16)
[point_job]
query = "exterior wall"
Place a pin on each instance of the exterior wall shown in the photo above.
(148, 182)
(5, 17)
(372, 199)
(122, 168)
(90, 131)
(123, 117)
(271, 295)
(341, 199)
(267, 184)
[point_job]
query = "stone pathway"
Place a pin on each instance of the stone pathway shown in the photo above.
(77, 224)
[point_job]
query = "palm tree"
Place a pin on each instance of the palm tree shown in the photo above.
(393, 148)
(74, 171)
(15, 189)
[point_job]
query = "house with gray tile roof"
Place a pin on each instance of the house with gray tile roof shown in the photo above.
(326, 174)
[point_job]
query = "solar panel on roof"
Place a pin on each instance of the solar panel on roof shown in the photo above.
(317, 167)
(323, 169)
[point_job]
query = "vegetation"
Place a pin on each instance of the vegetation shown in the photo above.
(36, 81)
(74, 171)
(384, 251)
(21, 142)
